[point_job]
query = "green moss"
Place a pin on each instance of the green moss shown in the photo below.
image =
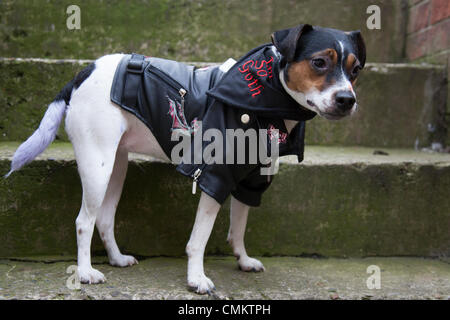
(327, 209)
(389, 115)
(26, 89)
(184, 30)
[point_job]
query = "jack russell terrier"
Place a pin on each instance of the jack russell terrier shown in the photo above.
(132, 103)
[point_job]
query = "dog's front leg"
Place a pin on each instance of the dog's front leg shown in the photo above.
(238, 222)
(195, 249)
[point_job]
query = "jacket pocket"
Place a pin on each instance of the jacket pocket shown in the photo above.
(158, 75)
(165, 92)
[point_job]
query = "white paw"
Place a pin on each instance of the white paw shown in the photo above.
(123, 261)
(201, 284)
(90, 275)
(250, 264)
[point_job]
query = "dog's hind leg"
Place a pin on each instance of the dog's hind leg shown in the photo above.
(238, 222)
(95, 144)
(195, 249)
(95, 127)
(95, 167)
(105, 217)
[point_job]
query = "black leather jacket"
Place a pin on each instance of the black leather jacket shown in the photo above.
(171, 96)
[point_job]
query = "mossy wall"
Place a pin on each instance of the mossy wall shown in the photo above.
(397, 104)
(331, 210)
(200, 30)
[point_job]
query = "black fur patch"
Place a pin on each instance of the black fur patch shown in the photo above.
(66, 92)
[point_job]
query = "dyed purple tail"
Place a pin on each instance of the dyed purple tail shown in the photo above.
(41, 138)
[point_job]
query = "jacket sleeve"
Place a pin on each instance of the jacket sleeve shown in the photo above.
(250, 190)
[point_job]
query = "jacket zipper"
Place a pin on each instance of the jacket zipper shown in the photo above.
(167, 79)
(196, 175)
(182, 93)
(172, 83)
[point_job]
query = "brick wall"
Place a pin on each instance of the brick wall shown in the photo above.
(428, 31)
(428, 40)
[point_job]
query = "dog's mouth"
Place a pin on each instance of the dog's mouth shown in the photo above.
(312, 104)
(330, 113)
(334, 113)
(331, 116)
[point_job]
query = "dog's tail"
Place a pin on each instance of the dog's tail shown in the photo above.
(41, 138)
(45, 134)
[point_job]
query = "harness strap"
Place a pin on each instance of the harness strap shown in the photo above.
(135, 67)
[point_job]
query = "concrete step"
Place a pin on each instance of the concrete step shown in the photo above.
(284, 278)
(340, 202)
(186, 30)
(401, 105)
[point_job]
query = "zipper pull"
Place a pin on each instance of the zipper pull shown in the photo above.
(182, 93)
(197, 174)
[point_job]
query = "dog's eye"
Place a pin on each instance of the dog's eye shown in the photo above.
(319, 63)
(355, 72)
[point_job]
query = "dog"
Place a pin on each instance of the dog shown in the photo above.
(308, 70)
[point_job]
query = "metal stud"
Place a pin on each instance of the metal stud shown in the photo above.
(245, 118)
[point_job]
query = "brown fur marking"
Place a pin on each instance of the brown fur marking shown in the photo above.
(302, 77)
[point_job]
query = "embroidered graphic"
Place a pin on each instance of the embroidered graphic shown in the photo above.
(274, 133)
(179, 123)
(253, 71)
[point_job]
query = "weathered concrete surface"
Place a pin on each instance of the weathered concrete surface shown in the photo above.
(198, 30)
(340, 202)
(284, 278)
(400, 105)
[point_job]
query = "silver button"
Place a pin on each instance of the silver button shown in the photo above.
(245, 118)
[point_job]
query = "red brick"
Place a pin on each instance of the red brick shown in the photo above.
(430, 41)
(418, 45)
(440, 36)
(419, 17)
(440, 10)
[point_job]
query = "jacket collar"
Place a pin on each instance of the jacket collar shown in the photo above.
(253, 84)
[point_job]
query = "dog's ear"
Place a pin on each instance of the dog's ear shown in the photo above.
(360, 46)
(286, 40)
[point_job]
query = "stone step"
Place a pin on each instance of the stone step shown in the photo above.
(288, 278)
(196, 30)
(340, 202)
(401, 105)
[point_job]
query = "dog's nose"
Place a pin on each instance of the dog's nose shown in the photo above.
(345, 100)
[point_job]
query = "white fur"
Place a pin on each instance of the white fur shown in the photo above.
(102, 135)
(238, 221)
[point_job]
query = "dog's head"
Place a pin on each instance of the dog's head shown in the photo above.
(321, 66)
